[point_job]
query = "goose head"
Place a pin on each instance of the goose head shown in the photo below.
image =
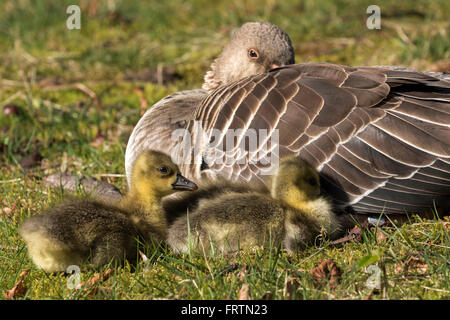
(154, 176)
(296, 183)
(254, 48)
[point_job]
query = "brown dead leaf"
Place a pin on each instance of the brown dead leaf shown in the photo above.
(413, 265)
(244, 293)
(354, 234)
(19, 288)
(416, 265)
(92, 286)
(381, 236)
(327, 271)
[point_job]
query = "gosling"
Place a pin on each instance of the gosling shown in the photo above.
(178, 204)
(293, 214)
(95, 232)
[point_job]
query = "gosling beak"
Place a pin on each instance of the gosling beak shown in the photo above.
(183, 184)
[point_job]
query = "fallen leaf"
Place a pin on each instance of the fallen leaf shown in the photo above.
(244, 293)
(19, 288)
(92, 286)
(413, 265)
(327, 271)
(354, 234)
(381, 236)
(416, 265)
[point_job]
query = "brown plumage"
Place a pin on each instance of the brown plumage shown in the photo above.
(379, 137)
(292, 213)
(79, 231)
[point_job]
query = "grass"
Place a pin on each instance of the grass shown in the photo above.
(84, 129)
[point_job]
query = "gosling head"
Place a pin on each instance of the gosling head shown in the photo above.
(296, 182)
(254, 48)
(155, 175)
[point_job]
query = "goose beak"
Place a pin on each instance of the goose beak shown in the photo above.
(183, 184)
(274, 66)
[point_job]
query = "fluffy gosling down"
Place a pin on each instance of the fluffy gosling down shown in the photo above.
(86, 230)
(293, 214)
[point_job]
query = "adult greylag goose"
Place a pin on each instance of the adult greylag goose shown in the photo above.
(254, 48)
(379, 136)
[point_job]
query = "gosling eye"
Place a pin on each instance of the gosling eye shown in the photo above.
(253, 54)
(163, 169)
(312, 182)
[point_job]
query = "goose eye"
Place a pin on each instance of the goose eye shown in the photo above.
(252, 53)
(163, 170)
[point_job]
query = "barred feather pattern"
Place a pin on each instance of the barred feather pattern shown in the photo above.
(378, 135)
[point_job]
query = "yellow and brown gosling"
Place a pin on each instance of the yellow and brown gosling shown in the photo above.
(293, 213)
(90, 231)
(178, 204)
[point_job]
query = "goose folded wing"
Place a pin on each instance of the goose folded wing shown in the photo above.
(369, 131)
